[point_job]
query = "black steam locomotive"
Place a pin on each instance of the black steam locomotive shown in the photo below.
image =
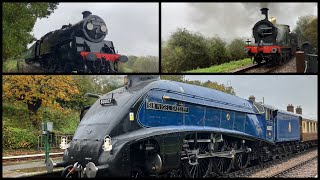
(274, 43)
(80, 47)
(154, 127)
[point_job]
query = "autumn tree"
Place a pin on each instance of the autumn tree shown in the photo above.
(18, 20)
(37, 91)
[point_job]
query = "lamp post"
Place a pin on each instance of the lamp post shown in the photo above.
(47, 127)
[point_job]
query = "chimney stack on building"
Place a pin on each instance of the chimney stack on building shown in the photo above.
(290, 108)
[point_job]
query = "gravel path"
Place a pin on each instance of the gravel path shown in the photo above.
(288, 164)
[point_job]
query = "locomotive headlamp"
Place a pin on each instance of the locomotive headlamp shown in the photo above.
(107, 145)
(274, 50)
(89, 26)
(104, 28)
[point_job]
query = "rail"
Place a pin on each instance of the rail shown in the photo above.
(29, 156)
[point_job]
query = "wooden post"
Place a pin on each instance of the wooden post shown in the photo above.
(300, 64)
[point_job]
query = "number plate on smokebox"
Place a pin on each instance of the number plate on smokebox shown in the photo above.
(109, 101)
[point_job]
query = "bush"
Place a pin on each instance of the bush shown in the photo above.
(185, 50)
(15, 138)
(236, 49)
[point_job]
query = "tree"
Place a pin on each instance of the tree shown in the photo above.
(39, 90)
(235, 48)
(217, 51)
(208, 83)
(307, 30)
(179, 78)
(311, 33)
(185, 51)
(18, 20)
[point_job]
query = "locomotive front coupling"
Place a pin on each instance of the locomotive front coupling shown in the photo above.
(77, 170)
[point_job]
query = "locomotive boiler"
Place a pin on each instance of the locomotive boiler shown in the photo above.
(274, 43)
(80, 47)
(153, 127)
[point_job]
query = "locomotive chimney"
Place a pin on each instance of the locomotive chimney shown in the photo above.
(133, 80)
(252, 99)
(299, 110)
(265, 12)
(290, 108)
(86, 14)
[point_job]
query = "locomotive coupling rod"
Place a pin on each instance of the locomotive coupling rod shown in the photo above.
(50, 164)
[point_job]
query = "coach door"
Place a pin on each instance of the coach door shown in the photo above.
(270, 117)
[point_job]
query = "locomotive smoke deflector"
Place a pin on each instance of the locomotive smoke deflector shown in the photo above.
(265, 12)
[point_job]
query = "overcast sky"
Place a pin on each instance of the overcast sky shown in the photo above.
(133, 27)
(228, 20)
(277, 90)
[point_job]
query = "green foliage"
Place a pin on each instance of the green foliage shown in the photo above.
(22, 134)
(185, 50)
(178, 78)
(226, 67)
(9, 66)
(14, 138)
(307, 30)
(208, 84)
(236, 49)
(311, 33)
(142, 64)
(18, 20)
(146, 64)
(217, 51)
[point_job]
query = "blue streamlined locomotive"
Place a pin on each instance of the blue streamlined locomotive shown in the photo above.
(154, 127)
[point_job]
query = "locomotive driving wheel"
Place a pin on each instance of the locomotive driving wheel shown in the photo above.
(197, 167)
(221, 165)
(241, 159)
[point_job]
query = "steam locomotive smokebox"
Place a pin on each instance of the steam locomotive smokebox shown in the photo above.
(300, 64)
(134, 80)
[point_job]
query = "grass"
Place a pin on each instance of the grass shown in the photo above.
(226, 67)
(9, 66)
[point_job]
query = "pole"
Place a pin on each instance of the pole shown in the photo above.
(47, 145)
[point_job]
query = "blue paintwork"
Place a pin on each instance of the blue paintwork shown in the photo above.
(208, 110)
(283, 132)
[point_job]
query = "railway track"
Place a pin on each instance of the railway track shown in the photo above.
(289, 170)
(262, 68)
(256, 170)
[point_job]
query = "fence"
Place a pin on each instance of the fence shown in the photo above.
(307, 59)
(56, 140)
(311, 63)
